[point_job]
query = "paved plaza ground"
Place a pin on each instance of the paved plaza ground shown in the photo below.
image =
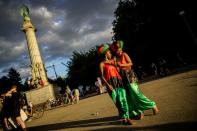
(175, 95)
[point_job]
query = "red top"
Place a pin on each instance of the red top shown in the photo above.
(110, 71)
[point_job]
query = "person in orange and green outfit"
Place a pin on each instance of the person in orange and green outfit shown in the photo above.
(137, 101)
(113, 81)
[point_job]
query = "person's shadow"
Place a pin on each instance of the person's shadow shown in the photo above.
(116, 125)
(114, 120)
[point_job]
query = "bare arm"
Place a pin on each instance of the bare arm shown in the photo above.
(129, 62)
(5, 120)
(103, 78)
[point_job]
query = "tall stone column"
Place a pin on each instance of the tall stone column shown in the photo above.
(38, 95)
(37, 67)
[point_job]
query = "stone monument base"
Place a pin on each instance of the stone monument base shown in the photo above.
(40, 95)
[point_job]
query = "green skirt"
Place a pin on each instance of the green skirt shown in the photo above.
(137, 101)
(118, 96)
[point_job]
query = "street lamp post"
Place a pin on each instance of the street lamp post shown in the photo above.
(55, 71)
(182, 14)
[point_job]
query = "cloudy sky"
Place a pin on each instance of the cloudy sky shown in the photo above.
(62, 27)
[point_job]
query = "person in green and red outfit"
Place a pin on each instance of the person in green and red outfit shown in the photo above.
(113, 81)
(137, 101)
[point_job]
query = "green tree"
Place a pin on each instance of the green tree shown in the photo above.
(129, 25)
(152, 29)
(4, 84)
(15, 78)
(82, 68)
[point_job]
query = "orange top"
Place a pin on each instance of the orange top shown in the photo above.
(124, 61)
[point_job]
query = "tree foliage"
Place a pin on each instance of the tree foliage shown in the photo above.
(83, 68)
(13, 78)
(152, 29)
(129, 26)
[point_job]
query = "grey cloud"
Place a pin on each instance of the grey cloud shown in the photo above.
(77, 19)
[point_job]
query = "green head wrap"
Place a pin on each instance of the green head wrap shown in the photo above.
(121, 43)
(102, 49)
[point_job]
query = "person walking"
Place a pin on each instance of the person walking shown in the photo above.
(99, 86)
(113, 81)
(68, 95)
(12, 108)
(75, 96)
(137, 101)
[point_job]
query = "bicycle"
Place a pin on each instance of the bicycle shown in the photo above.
(59, 100)
(36, 111)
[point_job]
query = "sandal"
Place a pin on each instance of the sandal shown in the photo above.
(130, 121)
